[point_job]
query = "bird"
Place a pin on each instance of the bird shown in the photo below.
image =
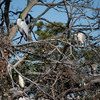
(94, 68)
(24, 98)
(80, 37)
(23, 28)
(21, 81)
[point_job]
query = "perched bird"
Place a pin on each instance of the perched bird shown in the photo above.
(94, 68)
(24, 98)
(80, 37)
(23, 28)
(21, 81)
(21, 98)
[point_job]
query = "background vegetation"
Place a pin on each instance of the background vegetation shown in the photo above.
(53, 65)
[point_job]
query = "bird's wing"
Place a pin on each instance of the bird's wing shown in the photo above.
(21, 81)
(83, 37)
(24, 27)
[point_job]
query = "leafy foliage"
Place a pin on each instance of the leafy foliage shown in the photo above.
(45, 30)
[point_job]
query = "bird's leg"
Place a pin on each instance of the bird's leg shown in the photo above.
(26, 38)
(83, 44)
(20, 39)
(77, 42)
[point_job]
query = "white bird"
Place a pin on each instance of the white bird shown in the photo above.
(23, 28)
(21, 98)
(94, 67)
(21, 81)
(80, 37)
(24, 98)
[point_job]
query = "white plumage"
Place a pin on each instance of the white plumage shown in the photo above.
(24, 98)
(21, 81)
(95, 66)
(80, 37)
(23, 28)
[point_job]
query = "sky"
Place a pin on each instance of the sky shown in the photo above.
(52, 15)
